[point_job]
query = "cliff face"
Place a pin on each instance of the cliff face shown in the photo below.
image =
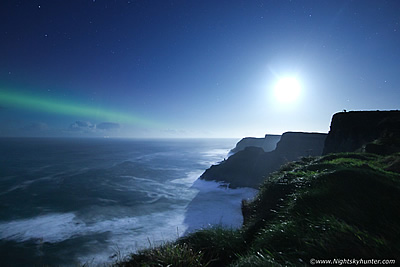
(268, 143)
(249, 167)
(369, 131)
(246, 168)
(294, 145)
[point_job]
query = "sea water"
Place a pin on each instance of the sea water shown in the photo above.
(76, 201)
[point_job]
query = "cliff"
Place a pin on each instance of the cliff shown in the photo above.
(294, 145)
(268, 143)
(348, 202)
(339, 206)
(246, 168)
(249, 167)
(367, 131)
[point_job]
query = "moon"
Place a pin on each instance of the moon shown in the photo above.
(287, 90)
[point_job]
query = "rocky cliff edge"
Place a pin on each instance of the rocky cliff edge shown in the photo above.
(249, 167)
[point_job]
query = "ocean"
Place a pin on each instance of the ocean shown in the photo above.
(75, 201)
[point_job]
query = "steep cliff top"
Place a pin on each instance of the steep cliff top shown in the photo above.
(363, 118)
(351, 131)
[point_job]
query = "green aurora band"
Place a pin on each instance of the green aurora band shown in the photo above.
(23, 101)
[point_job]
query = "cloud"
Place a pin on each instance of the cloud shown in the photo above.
(108, 126)
(87, 128)
(82, 126)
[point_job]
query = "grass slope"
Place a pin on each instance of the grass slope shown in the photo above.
(337, 206)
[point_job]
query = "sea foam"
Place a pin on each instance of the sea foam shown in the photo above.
(118, 195)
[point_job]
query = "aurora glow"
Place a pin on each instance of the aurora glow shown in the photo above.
(42, 104)
(174, 69)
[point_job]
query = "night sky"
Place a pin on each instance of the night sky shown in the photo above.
(192, 68)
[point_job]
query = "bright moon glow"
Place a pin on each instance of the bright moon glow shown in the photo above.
(287, 90)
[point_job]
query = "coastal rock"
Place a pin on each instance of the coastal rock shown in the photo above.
(249, 167)
(246, 168)
(369, 131)
(294, 145)
(268, 143)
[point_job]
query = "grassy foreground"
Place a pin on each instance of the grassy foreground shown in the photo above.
(343, 206)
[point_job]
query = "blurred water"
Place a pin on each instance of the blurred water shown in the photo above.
(67, 201)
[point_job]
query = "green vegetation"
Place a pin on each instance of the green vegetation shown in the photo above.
(337, 206)
(170, 254)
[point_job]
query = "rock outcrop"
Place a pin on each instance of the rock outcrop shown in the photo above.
(369, 131)
(268, 143)
(249, 167)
